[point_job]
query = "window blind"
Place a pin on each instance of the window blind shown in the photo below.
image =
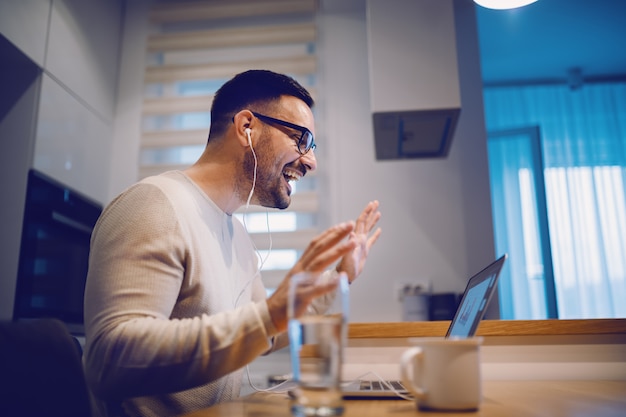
(193, 48)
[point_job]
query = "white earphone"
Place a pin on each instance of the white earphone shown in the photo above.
(248, 130)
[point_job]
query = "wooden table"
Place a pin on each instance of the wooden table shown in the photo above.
(500, 398)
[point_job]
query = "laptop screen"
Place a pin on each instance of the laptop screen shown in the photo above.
(475, 300)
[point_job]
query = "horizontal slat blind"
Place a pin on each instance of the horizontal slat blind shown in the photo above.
(220, 38)
(193, 48)
(177, 11)
(170, 105)
(285, 240)
(165, 139)
(300, 65)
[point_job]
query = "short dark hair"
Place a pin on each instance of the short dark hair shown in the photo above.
(251, 88)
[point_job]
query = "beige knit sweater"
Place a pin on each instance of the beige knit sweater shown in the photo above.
(174, 304)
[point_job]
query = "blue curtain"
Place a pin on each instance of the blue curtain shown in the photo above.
(583, 144)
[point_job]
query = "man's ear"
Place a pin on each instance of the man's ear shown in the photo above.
(242, 122)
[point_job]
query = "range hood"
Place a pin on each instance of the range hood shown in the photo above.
(414, 83)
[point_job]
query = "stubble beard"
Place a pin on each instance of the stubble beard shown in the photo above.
(269, 190)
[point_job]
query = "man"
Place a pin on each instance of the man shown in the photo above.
(174, 303)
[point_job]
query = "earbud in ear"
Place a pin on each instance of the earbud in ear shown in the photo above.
(248, 131)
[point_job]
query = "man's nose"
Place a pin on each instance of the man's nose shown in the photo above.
(309, 160)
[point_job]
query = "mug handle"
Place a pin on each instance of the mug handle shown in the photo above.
(406, 364)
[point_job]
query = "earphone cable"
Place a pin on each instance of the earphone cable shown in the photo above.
(254, 175)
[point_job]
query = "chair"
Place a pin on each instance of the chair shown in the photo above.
(41, 372)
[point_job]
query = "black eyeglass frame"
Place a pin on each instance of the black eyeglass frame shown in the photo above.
(304, 144)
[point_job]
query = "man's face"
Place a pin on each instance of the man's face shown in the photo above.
(278, 159)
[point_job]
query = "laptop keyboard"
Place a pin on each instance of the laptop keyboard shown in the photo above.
(379, 386)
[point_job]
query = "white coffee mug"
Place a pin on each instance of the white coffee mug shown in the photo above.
(443, 374)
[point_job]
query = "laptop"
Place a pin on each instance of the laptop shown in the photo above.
(472, 307)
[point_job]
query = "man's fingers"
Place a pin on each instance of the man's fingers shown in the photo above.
(309, 288)
(374, 238)
(322, 260)
(326, 248)
(368, 218)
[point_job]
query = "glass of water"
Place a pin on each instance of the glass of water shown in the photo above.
(316, 340)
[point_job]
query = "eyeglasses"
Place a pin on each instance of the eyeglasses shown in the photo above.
(306, 141)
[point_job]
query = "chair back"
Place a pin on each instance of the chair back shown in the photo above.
(41, 371)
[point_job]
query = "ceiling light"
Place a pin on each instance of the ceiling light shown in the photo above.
(503, 4)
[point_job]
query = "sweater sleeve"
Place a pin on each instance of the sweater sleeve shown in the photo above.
(133, 345)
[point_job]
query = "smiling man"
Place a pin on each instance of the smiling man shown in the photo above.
(174, 303)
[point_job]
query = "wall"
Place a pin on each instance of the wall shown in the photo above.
(127, 125)
(63, 123)
(436, 213)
